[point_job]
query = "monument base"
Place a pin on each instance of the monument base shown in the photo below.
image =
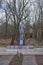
(21, 42)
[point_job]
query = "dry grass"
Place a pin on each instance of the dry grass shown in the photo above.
(6, 42)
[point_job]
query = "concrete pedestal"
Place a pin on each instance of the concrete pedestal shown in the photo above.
(21, 42)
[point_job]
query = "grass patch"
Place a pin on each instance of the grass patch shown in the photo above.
(2, 46)
(38, 46)
(18, 59)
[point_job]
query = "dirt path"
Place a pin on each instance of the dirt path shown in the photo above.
(5, 60)
(29, 60)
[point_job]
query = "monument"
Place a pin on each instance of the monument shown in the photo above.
(21, 30)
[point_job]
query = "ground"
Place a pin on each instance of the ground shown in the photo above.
(39, 60)
(15, 61)
(6, 42)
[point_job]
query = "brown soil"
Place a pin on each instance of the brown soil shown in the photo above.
(39, 60)
(15, 62)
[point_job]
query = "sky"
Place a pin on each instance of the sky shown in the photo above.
(2, 13)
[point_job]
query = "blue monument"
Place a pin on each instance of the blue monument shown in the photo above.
(22, 35)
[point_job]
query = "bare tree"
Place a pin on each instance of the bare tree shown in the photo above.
(39, 20)
(40, 6)
(18, 12)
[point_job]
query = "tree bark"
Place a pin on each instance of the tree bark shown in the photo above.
(15, 35)
(12, 40)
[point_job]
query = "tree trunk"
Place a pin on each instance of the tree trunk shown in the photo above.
(15, 35)
(12, 40)
(6, 30)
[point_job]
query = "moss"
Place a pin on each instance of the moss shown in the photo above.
(18, 59)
